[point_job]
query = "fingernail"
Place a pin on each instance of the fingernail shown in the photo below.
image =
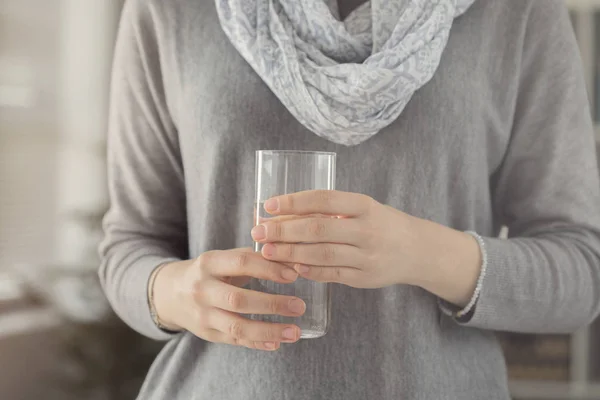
(302, 269)
(289, 274)
(289, 333)
(258, 232)
(296, 306)
(270, 345)
(268, 250)
(272, 205)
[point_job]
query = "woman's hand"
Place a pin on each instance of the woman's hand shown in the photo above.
(204, 296)
(352, 239)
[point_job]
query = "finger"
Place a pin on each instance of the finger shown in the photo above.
(243, 329)
(245, 301)
(265, 346)
(215, 336)
(313, 230)
(279, 218)
(330, 202)
(245, 263)
(292, 217)
(326, 254)
(346, 275)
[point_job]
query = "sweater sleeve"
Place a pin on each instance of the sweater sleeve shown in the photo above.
(546, 277)
(146, 223)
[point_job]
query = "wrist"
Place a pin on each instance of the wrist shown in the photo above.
(451, 263)
(162, 294)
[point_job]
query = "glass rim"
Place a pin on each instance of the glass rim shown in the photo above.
(320, 153)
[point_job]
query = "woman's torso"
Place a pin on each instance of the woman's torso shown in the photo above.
(436, 162)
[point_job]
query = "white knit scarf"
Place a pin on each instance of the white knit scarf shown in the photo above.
(343, 80)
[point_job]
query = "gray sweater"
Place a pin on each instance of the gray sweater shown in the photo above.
(501, 136)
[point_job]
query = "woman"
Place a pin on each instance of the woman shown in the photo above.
(448, 117)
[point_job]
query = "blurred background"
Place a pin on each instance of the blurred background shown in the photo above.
(59, 339)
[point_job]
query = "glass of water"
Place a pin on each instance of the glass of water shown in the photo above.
(282, 172)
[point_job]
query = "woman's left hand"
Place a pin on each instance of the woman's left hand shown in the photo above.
(344, 237)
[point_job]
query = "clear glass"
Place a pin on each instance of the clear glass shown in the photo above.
(284, 172)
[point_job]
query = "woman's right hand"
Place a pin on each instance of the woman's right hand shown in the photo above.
(205, 297)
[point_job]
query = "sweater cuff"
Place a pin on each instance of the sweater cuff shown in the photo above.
(134, 288)
(495, 294)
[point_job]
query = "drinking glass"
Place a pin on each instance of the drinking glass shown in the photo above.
(282, 172)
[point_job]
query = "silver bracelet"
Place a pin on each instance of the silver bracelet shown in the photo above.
(484, 261)
(153, 312)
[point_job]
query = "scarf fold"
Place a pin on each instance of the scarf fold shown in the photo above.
(343, 80)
